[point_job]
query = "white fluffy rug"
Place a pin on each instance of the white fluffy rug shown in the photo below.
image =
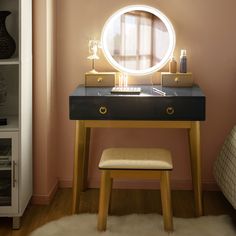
(137, 225)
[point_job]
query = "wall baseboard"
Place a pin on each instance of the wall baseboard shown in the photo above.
(47, 198)
(207, 185)
(94, 183)
(152, 184)
(65, 183)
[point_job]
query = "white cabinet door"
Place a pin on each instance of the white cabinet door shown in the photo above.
(9, 184)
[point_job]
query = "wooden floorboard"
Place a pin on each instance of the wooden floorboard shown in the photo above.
(123, 202)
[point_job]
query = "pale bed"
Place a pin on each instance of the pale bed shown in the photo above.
(225, 168)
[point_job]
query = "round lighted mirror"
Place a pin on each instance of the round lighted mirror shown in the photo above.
(138, 40)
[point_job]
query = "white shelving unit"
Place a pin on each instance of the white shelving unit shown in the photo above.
(16, 136)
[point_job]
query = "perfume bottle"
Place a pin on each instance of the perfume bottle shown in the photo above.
(183, 61)
(172, 65)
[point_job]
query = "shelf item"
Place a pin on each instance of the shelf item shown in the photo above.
(3, 121)
(3, 90)
(5, 155)
(5, 162)
(5, 168)
(12, 124)
(7, 43)
(5, 201)
(10, 61)
(5, 184)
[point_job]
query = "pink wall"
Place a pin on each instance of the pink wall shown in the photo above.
(207, 34)
(44, 71)
(205, 28)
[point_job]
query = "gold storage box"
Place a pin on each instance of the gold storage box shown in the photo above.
(176, 79)
(103, 79)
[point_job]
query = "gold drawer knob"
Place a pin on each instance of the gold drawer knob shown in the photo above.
(170, 110)
(103, 110)
(176, 79)
(100, 79)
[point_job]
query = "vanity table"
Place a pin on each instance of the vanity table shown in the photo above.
(97, 107)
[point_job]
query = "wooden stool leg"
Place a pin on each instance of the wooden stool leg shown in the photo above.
(110, 202)
(166, 201)
(105, 190)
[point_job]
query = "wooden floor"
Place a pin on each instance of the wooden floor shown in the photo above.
(123, 202)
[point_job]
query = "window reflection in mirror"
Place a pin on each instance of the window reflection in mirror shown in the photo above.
(138, 40)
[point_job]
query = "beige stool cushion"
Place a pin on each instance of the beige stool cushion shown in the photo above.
(136, 158)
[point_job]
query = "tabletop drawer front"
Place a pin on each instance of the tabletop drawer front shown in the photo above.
(134, 108)
(99, 79)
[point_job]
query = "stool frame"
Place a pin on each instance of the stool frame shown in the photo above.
(107, 176)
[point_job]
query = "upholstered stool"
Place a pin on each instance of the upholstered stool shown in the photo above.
(139, 163)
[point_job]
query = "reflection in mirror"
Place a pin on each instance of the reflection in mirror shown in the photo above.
(138, 40)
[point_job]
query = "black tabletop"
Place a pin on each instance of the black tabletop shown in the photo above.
(146, 90)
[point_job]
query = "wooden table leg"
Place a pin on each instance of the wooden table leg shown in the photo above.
(86, 159)
(79, 155)
(194, 141)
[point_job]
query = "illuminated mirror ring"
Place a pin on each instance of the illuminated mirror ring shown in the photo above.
(138, 40)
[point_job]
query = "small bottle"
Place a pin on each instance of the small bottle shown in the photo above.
(172, 65)
(183, 62)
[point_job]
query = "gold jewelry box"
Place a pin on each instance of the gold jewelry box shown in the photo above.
(100, 79)
(176, 79)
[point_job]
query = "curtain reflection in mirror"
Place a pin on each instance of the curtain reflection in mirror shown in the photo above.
(138, 40)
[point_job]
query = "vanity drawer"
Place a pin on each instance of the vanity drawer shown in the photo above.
(100, 79)
(176, 79)
(134, 108)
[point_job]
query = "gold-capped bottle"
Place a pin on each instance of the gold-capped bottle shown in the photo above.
(172, 65)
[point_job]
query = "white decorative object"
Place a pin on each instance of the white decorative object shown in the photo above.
(93, 45)
(225, 168)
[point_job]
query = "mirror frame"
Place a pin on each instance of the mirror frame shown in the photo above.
(155, 12)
